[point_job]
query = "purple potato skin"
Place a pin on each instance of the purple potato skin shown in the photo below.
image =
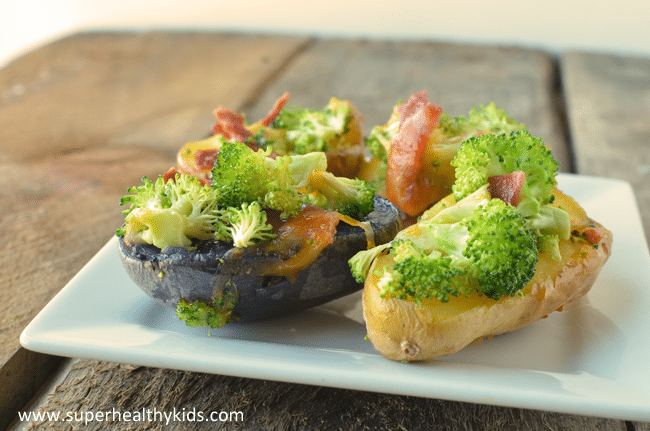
(217, 268)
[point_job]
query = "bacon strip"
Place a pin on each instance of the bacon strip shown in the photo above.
(406, 187)
(410, 107)
(277, 107)
(230, 124)
(507, 187)
(205, 159)
(170, 174)
(591, 235)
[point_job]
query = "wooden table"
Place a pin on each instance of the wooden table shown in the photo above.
(84, 117)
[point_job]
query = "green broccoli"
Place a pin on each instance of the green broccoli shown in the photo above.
(501, 248)
(481, 157)
(488, 118)
(484, 156)
(360, 263)
(239, 175)
(351, 197)
(242, 175)
(245, 183)
(171, 213)
(378, 140)
(247, 226)
(202, 314)
(550, 225)
(286, 183)
(303, 130)
(491, 251)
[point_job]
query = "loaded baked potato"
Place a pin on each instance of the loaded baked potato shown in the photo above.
(505, 249)
(268, 236)
(403, 330)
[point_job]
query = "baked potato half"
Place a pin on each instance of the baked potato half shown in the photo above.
(402, 330)
(239, 279)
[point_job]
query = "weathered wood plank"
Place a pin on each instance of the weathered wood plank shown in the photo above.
(93, 386)
(374, 75)
(155, 89)
(608, 103)
(81, 120)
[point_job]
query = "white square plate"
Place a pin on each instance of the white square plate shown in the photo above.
(591, 359)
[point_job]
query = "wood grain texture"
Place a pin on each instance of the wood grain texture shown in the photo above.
(275, 406)
(86, 117)
(608, 105)
(374, 75)
(155, 89)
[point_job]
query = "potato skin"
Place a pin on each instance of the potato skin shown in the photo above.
(217, 268)
(402, 331)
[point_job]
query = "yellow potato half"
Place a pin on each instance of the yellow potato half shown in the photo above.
(403, 331)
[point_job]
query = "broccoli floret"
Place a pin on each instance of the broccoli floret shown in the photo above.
(427, 277)
(484, 119)
(490, 252)
(299, 130)
(202, 314)
(242, 175)
(281, 191)
(550, 225)
(360, 262)
(550, 245)
(483, 156)
(378, 140)
(248, 225)
(501, 249)
(171, 213)
(351, 197)
(239, 175)
(302, 165)
(286, 183)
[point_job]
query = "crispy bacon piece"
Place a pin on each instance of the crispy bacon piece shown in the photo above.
(230, 124)
(591, 235)
(275, 110)
(205, 159)
(311, 230)
(408, 108)
(406, 187)
(507, 187)
(171, 173)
